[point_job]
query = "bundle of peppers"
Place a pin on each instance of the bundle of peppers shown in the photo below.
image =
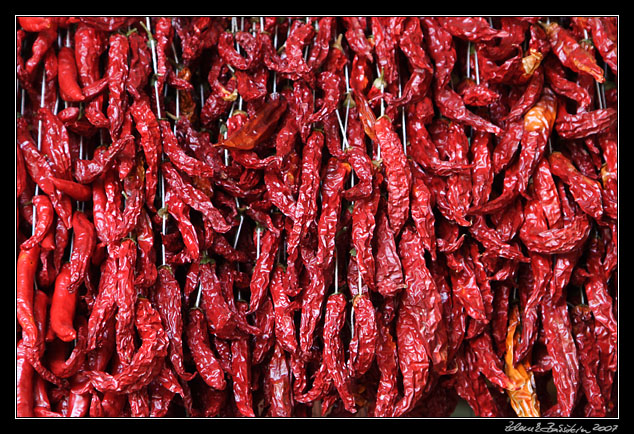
(316, 216)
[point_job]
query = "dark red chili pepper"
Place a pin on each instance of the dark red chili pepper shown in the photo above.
(44, 212)
(570, 53)
(258, 127)
(140, 65)
(585, 123)
(117, 73)
(355, 36)
(487, 362)
(387, 363)
(389, 274)
(333, 354)
(147, 360)
(475, 29)
(125, 299)
(63, 305)
(583, 332)
(87, 171)
(241, 371)
(277, 384)
(363, 225)
(362, 347)
(207, 364)
(561, 347)
(284, 321)
(259, 284)
(67, 76)
(56, 353)
(264, 320)
(473, 94)
(26, 267)
(167, 299)
(195, 198)
(25, 382)
(397, 173)
(418, 318)
(44, 40)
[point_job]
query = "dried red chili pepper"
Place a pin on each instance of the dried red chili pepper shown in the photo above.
(387, 363)
(585, 123)
(362, 347)
(258, 127)
(397, 173)
(25, 377)
(561, 347)
(583, 332)
(67, 76)
(523, 400)
(333, 354)
(465, 286)
(475, 29)
(284, 321)
(167, 299)
(207, 364)
(419, 309)
(45, 213)
(147, 360)
(195, 198)
(26, 267)
(277, 384)
(570, 53)
(355, 36)
(241, 371)
(63, 305)
(260, 278)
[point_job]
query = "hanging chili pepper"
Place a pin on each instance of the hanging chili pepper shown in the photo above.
(207, 364)
(523, 400)
(63, 305)
(241, 371)
(284, 322)
(25, 377)
(45, 213)
(195, 198)
(333, 355)
(26, 267)
(362, 347)
(147, 360)
(277, 384)
(387, 362)
(397, 174)
(355, 36)
(562, 349)
(583, 332)
(475, 29)
(570, 53)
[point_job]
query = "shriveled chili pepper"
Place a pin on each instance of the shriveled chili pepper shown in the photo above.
(277, 384)
(487, 362)
(258, 127)
(584, 124)
(260, 279)
(397, 173)
(44, 40)
(63, 305)
(523, 400)
(125, 299)
(583, 332)
(146, 363)
(86, 171)
(418, 317)
(167, 298)
(26, 267)
(284, 322)
(570, 53)
(362, 347)
(207, 365)
(117, 73)
(561, 347)
(333, 355)
(140, 65)
(306, 205)
(45, 214)
(195, 198)
(389, 274)
(241, 372)
(387, 363)
(25, 383)
(475, 29)
(356, 38)
(465, 286)
(67, 76)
